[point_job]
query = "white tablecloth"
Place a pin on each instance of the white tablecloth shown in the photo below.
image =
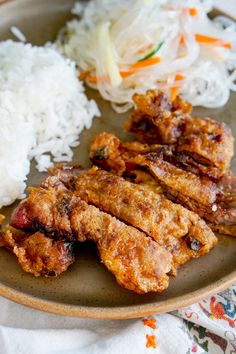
(207, 327)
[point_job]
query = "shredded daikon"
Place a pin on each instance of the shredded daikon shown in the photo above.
(123, 47)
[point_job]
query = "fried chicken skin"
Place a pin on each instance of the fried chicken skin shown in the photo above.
(138, 262)
(107, 152)
(38, 254)
(175, 228)
(47, 210)
(213, 201)
(199, 189)
(134, 154)
(157, 120)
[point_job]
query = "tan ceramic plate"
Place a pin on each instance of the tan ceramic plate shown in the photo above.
(88, 289)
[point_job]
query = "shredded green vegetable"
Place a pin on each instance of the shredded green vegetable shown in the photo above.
(153, 52)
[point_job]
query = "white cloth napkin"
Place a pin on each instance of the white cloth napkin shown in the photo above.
(207, 327)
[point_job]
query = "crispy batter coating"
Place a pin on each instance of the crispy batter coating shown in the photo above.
(38, 254)
(177, 158)
(177, 229)
(199, 189)
(138, 262)
(47, 210)
(107, 152)
(224, 229)
(116, 157)
(215, 202)
(157, 120)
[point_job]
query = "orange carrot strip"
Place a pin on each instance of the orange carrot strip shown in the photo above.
(179, 77)
(125, 74)
(93, 79)
(211, 40)
(151, 341)
(174, 90)
(193, 11)
(182, 39)
(134, 67)
(150, 323)
(147, 62)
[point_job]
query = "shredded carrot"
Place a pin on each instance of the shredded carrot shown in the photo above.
(93, 79)
(193, 11)
(181, 39)
(133, 68)
(201, 38)
(174, 92)
(150, 322)
(140, 65)
(144, 63)
(151, 341)
(179, 77)
(125, 74)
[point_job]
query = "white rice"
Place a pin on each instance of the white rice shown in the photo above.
(43, 109)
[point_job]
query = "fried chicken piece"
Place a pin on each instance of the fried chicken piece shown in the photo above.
(187, 184)
(177, 229)
(138, 262)
(107, 152)
(177, 158)
(229, 230)
(215, 202)
(47, 212)
(157, 120)
(38, 254)
(135, 154)
(107, 146)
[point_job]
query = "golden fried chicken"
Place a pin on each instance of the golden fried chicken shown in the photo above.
(45, 211)
(157, 120)
(107, 152)
(138, 262)
(175, 228)
(38, 254)
(215, 202)
(186, 183)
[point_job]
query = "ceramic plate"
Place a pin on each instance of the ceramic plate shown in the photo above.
(87, 288)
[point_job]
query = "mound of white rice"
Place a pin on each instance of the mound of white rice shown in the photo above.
(43, 109)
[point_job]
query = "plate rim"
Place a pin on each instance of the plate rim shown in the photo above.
(119, 312)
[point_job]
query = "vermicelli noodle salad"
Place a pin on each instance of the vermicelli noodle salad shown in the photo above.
(123, 47)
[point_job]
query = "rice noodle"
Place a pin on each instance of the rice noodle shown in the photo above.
(131, 29)
(18, 33)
